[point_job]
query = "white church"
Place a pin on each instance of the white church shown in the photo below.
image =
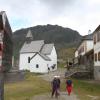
(36, 56)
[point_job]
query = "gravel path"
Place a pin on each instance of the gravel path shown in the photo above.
(49, 76)
(63, 95)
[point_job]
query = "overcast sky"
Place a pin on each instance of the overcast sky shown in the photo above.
(80, 15)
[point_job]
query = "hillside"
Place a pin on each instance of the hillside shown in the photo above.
(62, 37)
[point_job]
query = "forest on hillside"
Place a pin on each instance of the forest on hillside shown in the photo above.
(63, 38)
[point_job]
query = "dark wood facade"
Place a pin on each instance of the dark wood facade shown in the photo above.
(6, 45)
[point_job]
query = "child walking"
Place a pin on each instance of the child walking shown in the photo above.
(69, 86)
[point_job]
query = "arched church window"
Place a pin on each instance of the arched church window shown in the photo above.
(37, 66)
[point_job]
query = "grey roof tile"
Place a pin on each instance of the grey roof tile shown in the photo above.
(33, 46)
(47, 48)
(29, 34)
(45, 57)
(88, 37)
(38, 47)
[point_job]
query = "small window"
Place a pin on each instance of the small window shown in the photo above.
(98, 36)
(99, 56)
(28, 59)
(94, 39)
(95, 56)
(37, 66)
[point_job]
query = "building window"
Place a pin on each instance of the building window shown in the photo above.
(95, 56)
(99, 56)
(94, 38)
(28, 59)
(98, 36)
(81, 50)
(37, 66)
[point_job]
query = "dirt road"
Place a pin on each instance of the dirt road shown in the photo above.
(63, 95)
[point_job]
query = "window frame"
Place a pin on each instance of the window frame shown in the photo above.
(95, 57)
(29, 59)
(94, 38)
(98, 36)
(98, 56)
(37, 65)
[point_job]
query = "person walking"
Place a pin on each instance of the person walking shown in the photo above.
(55, 86)
(69, 86)
(58, 83)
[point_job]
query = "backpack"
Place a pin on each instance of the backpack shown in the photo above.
(69, 82)
(54, 83)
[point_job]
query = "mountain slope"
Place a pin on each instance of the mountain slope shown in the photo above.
(61, 37)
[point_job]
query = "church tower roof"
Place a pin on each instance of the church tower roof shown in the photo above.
(29, 36)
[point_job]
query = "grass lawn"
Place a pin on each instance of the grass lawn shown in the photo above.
(85, 90)
(34, 85)
(24, 90)
(61, 65)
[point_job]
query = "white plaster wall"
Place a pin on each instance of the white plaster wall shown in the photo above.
(89, 45)
(82, 44)
(97, 63)
(97, 46)
(24, 65)
(23, 61)
(76, 53)
(53, 57)
(41, 62)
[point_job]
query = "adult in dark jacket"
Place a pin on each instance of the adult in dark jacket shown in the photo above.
(58, 80)
(55, 86)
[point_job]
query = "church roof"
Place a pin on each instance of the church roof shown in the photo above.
(47, 48)
(45, 57)
(33, 46)
(38, 47)
(29, 34)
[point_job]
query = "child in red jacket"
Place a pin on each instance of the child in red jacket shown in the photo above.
(69, 86)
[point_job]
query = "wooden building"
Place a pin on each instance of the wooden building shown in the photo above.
(6, 45)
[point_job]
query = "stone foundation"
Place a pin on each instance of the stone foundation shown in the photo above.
(14, 76)
(97, 72)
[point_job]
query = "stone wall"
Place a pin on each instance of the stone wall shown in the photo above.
(97, 72)
(14, 76)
